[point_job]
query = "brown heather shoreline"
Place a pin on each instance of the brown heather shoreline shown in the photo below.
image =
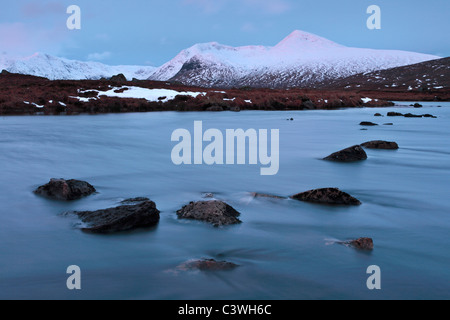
(15, 89)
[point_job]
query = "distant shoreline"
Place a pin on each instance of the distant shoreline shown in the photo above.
(29, 95)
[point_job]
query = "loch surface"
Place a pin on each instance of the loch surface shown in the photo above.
(285, 249)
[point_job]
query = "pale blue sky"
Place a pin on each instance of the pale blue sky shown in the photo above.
(153, 32)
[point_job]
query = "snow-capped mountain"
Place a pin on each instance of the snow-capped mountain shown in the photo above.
(55, 68)
(300, 60)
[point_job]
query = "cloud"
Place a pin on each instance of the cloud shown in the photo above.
(23, 39)
(99, 56)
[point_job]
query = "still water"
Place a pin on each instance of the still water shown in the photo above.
(284, 248)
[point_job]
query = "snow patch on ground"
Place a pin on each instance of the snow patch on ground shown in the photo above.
(152, 95)
(366, 100)
(34, 104)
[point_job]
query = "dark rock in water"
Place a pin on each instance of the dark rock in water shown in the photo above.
(118, 78)
(377, 115)
(361, 244)
(410, 115)
(67, 190)
(207, 265)
(263, 195)
(134, 200)
(417, 105)
(395, 114)
(355, 153)
(367, 123)
(363, 129)
(123, 218)
(332, 196)
(378, 144)
(388, 124)
(429, 116)
(216, 212)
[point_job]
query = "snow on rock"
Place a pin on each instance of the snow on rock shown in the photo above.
(366, 100)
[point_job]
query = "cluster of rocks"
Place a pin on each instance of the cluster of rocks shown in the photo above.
(141, 212)
(410, 115)
(357, 153)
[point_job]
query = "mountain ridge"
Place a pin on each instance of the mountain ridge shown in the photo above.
(300, 60)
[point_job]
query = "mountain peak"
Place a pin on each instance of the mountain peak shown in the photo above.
(302, 40)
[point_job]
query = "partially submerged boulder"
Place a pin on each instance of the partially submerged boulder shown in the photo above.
(355, 153)
(368, 124)
(123, 218)
(67, 190)
(331, 196)
(215, 212)
(361, 244)
(410, 115)
(395, 114)
(379, 144)
(207, 265)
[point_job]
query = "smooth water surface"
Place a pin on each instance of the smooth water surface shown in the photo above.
(286, 249)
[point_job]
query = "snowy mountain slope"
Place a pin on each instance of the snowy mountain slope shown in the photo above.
(426, 76)
(55, 68)
(300, 60)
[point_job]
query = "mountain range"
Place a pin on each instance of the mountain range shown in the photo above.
(300, 60)
(54, 68)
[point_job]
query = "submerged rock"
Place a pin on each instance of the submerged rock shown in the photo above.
(355, 153)
(67, 190)
(123, 218)
(216, 212)
(429, 116)
(388, 124)
(417, 105)
(379, 144)
(207, 265)
(361, 244)
(263, 195)
(377, 115)
(332, 196)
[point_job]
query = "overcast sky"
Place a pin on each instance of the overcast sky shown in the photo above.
(147, 32)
